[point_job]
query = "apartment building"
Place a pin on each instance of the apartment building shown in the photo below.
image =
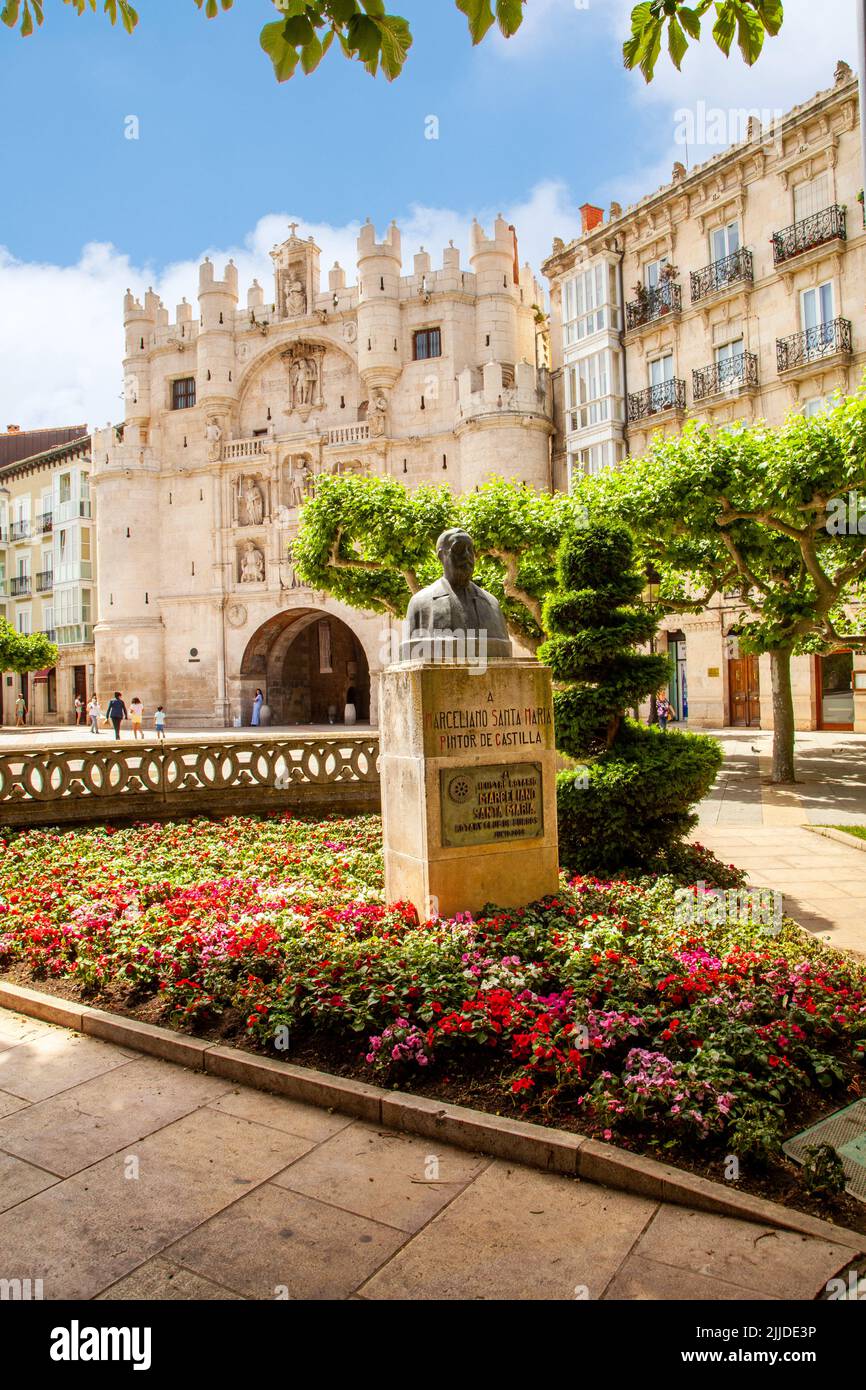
(48, 565)
(734, 293)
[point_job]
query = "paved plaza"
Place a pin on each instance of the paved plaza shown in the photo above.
(762, 828)
(126, 1177)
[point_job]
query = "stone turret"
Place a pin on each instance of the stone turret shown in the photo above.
(380, 358)
(493, 261)
(218, 301)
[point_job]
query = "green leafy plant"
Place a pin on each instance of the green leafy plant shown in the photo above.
(23, 652)
(632, 796)
(823, 1171)
(306, 29)
(747, 21)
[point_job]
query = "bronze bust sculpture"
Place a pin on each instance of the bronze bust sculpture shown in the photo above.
(454, 616)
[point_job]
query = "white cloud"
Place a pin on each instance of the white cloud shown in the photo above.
(61, 331)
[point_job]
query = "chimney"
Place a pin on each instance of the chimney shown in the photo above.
(13, 429)
(591, 217)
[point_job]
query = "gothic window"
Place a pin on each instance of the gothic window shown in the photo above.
(427, 343)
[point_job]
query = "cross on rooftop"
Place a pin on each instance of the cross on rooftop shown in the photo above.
(293, 228)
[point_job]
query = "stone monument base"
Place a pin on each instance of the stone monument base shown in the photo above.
(468, 773)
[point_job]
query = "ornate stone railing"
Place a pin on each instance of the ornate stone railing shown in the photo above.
(246, 448)
(349, 434)
(50, 786)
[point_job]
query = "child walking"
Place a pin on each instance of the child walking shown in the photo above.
(136, 715)
(159, 721)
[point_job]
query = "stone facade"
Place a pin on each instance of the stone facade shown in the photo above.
(48, 575)
(231, 416)
(733, 293)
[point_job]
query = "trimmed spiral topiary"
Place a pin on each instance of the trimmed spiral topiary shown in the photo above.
(632, 798)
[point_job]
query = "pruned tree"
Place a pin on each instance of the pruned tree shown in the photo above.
(370, 542)
(767, 518)
(22, 652)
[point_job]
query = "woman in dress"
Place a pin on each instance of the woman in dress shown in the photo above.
(257, 709)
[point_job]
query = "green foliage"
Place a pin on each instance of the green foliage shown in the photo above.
(593, 633)
(631, 801)
(21, 653)
(747, 21)
(631, 804)
(748, 511)
(823, 1171)
(370, 542)
(306, 29)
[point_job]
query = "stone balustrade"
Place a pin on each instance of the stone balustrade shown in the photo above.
(237, 449)
(52, 786)
(350, 434)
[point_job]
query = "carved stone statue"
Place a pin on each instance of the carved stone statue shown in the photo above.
(311, 380)
(252, 564)
(253, 508)
(296, 299)
(377, 416)
(454, 615)
(214, 439)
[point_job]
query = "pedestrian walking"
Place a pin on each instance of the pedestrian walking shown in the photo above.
(79, 710)
(20, 712)
(95, 714)
(116, 712)
(159, 721)
(664, 710)
(136, 715)
(258, 701)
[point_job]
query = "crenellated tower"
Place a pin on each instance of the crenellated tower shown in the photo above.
(380, 264)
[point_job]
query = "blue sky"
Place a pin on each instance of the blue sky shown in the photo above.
(226, 155)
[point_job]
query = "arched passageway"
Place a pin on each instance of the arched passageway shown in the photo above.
(308, 663)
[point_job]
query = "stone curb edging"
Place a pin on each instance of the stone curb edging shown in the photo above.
(516, 1141)
(831, 833)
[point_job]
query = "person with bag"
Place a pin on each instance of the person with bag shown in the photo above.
(116, 712)
(664, 710)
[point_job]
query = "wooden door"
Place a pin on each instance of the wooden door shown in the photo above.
(745, 692)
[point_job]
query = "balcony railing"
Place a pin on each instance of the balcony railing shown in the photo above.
(667, 395)
(666, 298)
(20, 586)
(730, 270)
(828, 225)
(814, 344)
(350, 434)
(45, 522)
(734, 374)
(19, 531)
(44, 581)
(50, 633)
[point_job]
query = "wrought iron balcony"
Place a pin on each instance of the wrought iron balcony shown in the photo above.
(666, 298)
(668, 395)
(44, 581)
(19, 531)
(828, 225)
(19, 586)
(45, 522)
(735, 374)
(802, 349)
(730, 270)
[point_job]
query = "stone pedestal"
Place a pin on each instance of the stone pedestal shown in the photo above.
(468, 772)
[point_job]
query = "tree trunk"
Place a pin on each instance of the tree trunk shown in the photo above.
(783, 716)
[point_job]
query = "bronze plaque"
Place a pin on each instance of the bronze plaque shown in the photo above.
(486, 805)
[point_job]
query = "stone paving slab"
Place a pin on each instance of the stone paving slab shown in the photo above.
(245, 1195)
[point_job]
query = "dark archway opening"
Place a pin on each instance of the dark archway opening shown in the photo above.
(309, 664)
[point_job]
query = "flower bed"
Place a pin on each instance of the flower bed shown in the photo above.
(627, 1010)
